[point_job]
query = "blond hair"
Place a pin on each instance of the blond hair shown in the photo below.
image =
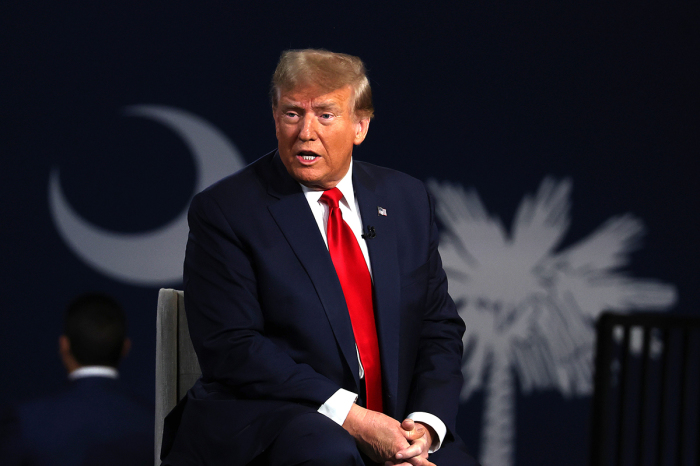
(325, 69)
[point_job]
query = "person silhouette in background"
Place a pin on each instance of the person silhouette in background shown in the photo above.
(94, 420)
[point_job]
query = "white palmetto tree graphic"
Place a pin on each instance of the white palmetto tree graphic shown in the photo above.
(530, 309)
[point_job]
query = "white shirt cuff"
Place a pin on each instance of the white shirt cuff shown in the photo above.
(338, 406)
(434, 422)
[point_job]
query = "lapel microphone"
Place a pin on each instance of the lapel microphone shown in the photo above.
(371, 233)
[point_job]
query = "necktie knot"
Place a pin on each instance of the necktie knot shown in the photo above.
(331, 197)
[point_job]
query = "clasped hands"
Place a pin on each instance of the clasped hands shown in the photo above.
(384, 439)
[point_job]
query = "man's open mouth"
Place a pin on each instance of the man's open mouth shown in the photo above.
(307, 156)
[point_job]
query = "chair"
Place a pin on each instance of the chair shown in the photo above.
(646, 402)
(177, 368)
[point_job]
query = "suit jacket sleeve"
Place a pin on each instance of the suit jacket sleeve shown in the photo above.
(226, 321)
(437, 378)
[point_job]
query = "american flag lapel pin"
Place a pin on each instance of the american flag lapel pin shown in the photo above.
(381, 211)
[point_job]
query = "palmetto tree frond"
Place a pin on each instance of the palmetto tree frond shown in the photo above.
(541, 222)
(465, 218)
(607, 248)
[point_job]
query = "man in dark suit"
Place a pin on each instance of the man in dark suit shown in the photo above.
(316, 299)
(93, 421)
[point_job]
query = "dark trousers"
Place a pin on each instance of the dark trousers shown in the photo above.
(313, 439)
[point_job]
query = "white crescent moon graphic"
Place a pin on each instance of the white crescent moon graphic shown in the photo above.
(155, 257)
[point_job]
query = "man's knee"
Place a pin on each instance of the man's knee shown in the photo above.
(332, 451)
(313, 439)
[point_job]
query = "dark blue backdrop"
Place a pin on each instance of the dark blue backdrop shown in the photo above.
(491, 95)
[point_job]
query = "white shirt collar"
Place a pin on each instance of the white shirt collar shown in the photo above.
(345, 187)
(94, 371)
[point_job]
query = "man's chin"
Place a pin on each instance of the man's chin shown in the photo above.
(314, 185)
(305, 176)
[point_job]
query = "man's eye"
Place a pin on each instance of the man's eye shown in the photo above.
(326, 116)
(290, 114)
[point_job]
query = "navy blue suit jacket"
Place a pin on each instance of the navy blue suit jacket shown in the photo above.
(269, 322)
(93, 421)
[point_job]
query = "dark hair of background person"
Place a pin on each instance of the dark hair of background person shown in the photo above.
(95, 324)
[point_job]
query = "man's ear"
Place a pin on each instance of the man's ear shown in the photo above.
(126, 347)
(64, 346)
(361, 128)
(67, 358)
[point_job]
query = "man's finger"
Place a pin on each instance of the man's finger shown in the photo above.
(417, 432)
(414, 450)
(419, 461)
(415, 461)
(408, 424)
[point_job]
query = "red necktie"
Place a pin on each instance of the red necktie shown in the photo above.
(356, 282)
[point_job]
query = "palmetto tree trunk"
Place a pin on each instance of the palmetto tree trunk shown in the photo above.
(498, 428)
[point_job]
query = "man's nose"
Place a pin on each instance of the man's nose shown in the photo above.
(308, 128)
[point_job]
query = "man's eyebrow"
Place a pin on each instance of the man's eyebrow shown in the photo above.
(291, 106)
(320, 106)
(329, 105)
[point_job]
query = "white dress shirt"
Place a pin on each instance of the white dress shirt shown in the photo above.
(94, 371)
(338, 405)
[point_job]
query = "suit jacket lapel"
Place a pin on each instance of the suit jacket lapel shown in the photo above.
(385, 274)
(293, 216)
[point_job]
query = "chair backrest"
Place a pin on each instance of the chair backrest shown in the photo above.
(646, 402)
(177, 368)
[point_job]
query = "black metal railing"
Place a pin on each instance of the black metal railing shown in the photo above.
(646, 403)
